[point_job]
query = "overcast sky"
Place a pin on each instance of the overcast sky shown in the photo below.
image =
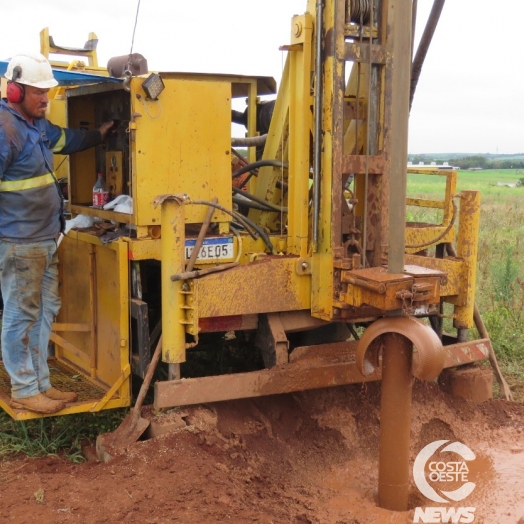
(470, 97)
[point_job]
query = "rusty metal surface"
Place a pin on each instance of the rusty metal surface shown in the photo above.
(300, 320)
(271, 340)
(467, 250)
(454, 354)
(376, 231)
(455, 270)
(466, 352)
(359, 52)
(352, 109)
(377, 274)
(421, 271)
(336, 85)
(357, 31)
(377, 288)
(357, 164)
(266, 286)
(323, 368)
(310, 367)
(427, 235)
(430, 360)
(393, 299)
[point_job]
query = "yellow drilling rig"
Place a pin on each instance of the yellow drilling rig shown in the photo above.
(299, 246)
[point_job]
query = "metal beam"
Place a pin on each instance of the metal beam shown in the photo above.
(310, 367)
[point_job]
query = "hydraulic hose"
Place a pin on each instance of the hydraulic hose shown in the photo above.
(263, 235)
(244, 221)
(249, 141)
(257, 164)
(261, 201)
(252, 205)
(241, 219)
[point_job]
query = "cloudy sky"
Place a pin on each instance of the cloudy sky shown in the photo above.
(470, 97)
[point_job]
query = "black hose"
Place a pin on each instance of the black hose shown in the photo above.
(261, 201)
(252, 205)
(263, 235)
(279, 183)
(248, 178)
(242, 219)
(257, 164)
(239, 118)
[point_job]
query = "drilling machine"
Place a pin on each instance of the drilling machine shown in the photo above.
(315, 243)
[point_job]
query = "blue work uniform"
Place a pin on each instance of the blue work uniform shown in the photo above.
(31, 207)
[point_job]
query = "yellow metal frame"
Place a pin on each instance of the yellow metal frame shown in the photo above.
(107, 311)
(108, 400)
(459, 288)
(72, 410)
(46, 49)
(427, 234)
(322, 286)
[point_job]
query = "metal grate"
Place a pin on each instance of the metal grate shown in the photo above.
(63, 378)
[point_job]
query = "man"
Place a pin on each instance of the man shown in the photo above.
(31, 218)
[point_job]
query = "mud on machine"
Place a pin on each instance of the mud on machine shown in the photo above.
(316, 243)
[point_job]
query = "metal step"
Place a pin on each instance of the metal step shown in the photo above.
(92, 397)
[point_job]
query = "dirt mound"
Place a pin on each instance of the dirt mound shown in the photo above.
(303, 458)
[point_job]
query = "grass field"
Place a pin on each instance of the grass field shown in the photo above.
(500, 269)
(484, 181)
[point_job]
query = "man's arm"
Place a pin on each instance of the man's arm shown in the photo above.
(66, 141)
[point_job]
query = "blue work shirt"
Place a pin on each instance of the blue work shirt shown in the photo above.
(31, 203)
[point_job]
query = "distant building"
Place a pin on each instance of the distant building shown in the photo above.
(433, 166)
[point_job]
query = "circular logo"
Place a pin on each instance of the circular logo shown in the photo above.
(443, 471)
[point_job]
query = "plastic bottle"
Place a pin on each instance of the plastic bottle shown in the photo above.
(100, 193)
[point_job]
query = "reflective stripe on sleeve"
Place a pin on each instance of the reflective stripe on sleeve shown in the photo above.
(61, 143)
(27, 183)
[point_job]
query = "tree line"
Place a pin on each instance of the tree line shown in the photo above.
(473, 161)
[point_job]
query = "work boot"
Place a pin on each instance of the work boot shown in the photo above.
(38, 403)
(64, 396)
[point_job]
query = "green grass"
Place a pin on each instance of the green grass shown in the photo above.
(484, 181)
(55, 436)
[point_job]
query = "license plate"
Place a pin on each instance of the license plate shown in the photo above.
(213, 249)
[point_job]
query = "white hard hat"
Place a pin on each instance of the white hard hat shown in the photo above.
(31, 70)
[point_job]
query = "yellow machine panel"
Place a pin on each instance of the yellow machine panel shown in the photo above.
(95, 301)
(192, 121)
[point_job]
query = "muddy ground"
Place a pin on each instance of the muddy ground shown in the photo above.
(302, 458)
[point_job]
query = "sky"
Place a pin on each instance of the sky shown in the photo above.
(470, 97)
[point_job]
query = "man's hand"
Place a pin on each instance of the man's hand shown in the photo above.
(105, 128)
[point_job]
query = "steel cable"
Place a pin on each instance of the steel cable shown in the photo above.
(360, 11)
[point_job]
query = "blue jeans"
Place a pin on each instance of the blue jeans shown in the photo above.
(29, 281)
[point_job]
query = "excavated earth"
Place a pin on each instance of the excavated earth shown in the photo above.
(310, 457)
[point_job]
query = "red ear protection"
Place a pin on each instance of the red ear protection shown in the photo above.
(15, 93)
